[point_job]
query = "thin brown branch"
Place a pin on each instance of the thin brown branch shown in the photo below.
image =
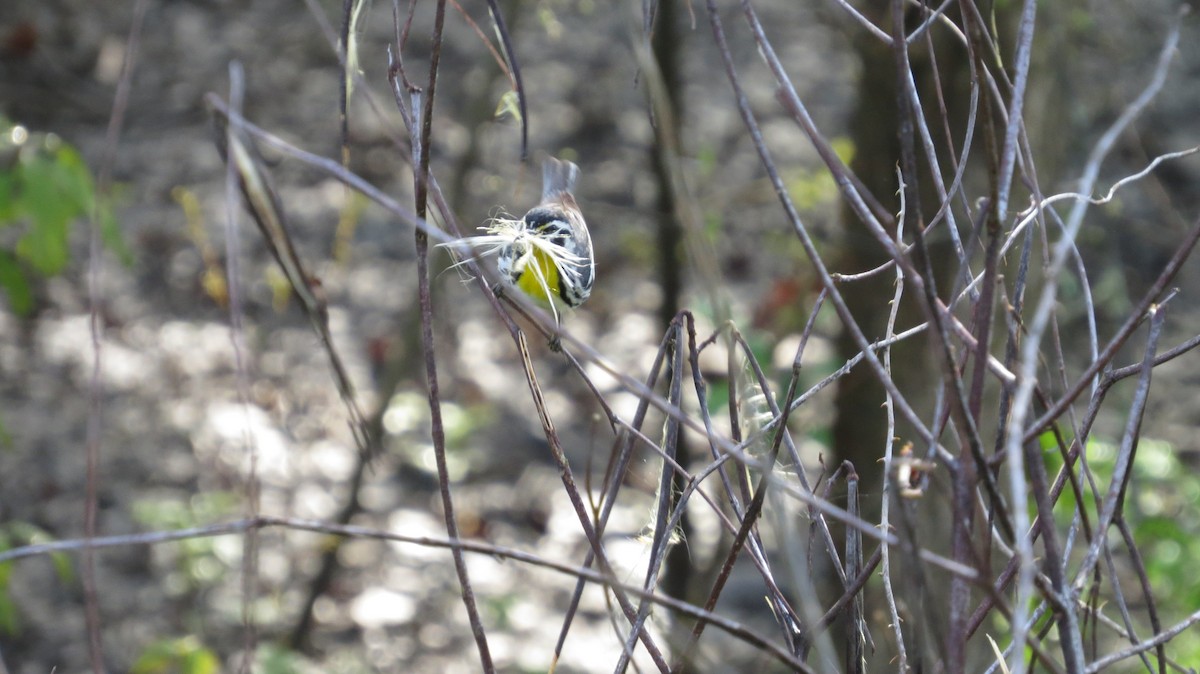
(239, 527)
(1160, 638)
(422, 134)
(572, 491)
(233, 255)
(112, 137)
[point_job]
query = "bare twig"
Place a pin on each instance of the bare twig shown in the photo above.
(233, 255)
(888, 468)
(1160, 638)
(1074, 220)
(1122, 471)
(875, 31)
(515, 69)
(835, 297)
(266, 206)
(116, 120)
(572, 491)
(752, 511)
(422, 133)
(239, 527)
(1030, 349)
(618, 465)
(663, 531)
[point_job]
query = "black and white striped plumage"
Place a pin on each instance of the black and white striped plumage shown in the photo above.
(565, 267)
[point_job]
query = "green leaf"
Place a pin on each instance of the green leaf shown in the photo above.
(62, 567)
(76, 182)
(16, 285)
(185, 655)
(9, 622)
(154, 660)
(509, 105)
(8, 197)
(45, 199)
(200, 661)
(1047, 441)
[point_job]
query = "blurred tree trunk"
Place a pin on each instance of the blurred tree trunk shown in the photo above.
(666, 43)
(860, 428)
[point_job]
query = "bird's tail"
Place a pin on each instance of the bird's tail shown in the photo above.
(558, 176)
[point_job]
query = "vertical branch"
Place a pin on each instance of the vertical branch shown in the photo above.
(510, 57)
(422, 134)
(116, 121)
(964, 470)
(233, 256)
(663, 533)
(856, 625)
(347, 62)
(889, 447)
(906, 130)
(1016, 106)
(663, 92)
(1062, 598)
(1001, 187)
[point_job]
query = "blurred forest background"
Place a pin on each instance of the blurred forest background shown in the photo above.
(150, 383)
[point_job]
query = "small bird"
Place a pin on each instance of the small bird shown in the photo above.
(550, 251)
(547, 253)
